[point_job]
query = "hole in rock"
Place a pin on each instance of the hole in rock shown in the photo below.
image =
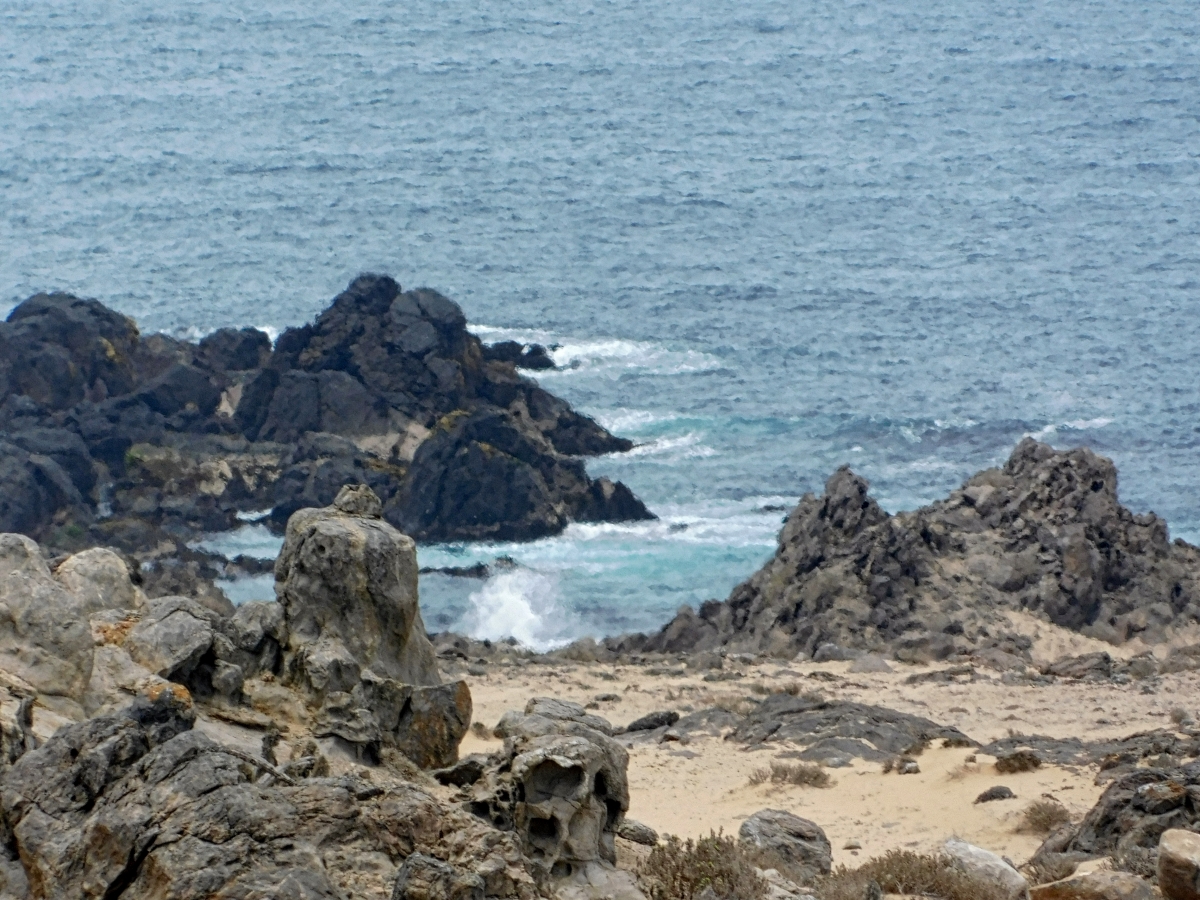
(561, 869)
(613, 809)
(543, 830)
(552, 780)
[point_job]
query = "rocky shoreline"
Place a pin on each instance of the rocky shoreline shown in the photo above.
(145, 443)
(158, 742)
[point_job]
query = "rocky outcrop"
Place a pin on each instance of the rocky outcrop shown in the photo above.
(1044, 533)
(1130, 818)
(356, 646)
(836, 731)
(560, 783)
(481, 476)
(111, 437)
(140, 804)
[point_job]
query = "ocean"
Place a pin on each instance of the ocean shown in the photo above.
(765, 239)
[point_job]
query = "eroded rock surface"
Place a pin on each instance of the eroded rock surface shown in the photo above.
(798, 842)
(1131, 817)
(138, 804)
(1045, 533)
(560, 782)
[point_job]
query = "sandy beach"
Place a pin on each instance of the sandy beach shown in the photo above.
(689, 789)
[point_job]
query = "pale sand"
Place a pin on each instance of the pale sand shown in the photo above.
(691, 789)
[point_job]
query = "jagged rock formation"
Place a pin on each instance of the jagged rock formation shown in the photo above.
(356, 646)
(141, 804)
(1129, 819)
(110, 437)
(1043, 533)
(272, 751)
(560, 783)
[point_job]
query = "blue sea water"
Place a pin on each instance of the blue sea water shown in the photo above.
(768, 238)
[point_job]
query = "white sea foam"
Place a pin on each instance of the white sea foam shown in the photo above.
(255, 541)
(521, 604)
(599, 356)
(625, 421)
(673, 449)
(1049, 431)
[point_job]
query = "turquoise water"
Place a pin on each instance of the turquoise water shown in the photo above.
(769, 238)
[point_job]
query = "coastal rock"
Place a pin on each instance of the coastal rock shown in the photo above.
(104, 430)
(173, 637)
(44, 635)
(1130, 817)
(355, 644)
(348, 587)
(561, 784)
(1179, 865)
(139, 804)
(801, 843)
(1044, 533)
(426, 878)
(484, 476)
(986, 866)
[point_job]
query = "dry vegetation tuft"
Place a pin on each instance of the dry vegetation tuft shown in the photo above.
(1043, 816)
(801, 774)
(1020, 761)
(908, 873)
(683, 870)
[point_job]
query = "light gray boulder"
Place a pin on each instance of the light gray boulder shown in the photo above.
(987, 866)
(797, 841)
(1179, 865)
(45, 638)
(347, 582)
(561, 783)
(173, 637)
(352, 636)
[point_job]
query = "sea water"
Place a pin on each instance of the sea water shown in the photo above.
(765, 239)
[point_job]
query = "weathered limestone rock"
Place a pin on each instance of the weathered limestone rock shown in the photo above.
(1098, 885)
(173, 637)
(1179, 865)
(561, 784)
(987, 866)
(425, 878)
(44, 634)
(347, 582)
(798, 841)
(355, 643)
(100, 579)
(138, 805)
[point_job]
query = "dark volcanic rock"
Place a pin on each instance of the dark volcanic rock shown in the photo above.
(93, 411)
(1110, 753)
(485, 477)
(1044, 533)
(523, 356)
(1130, 817)
(839, 728)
